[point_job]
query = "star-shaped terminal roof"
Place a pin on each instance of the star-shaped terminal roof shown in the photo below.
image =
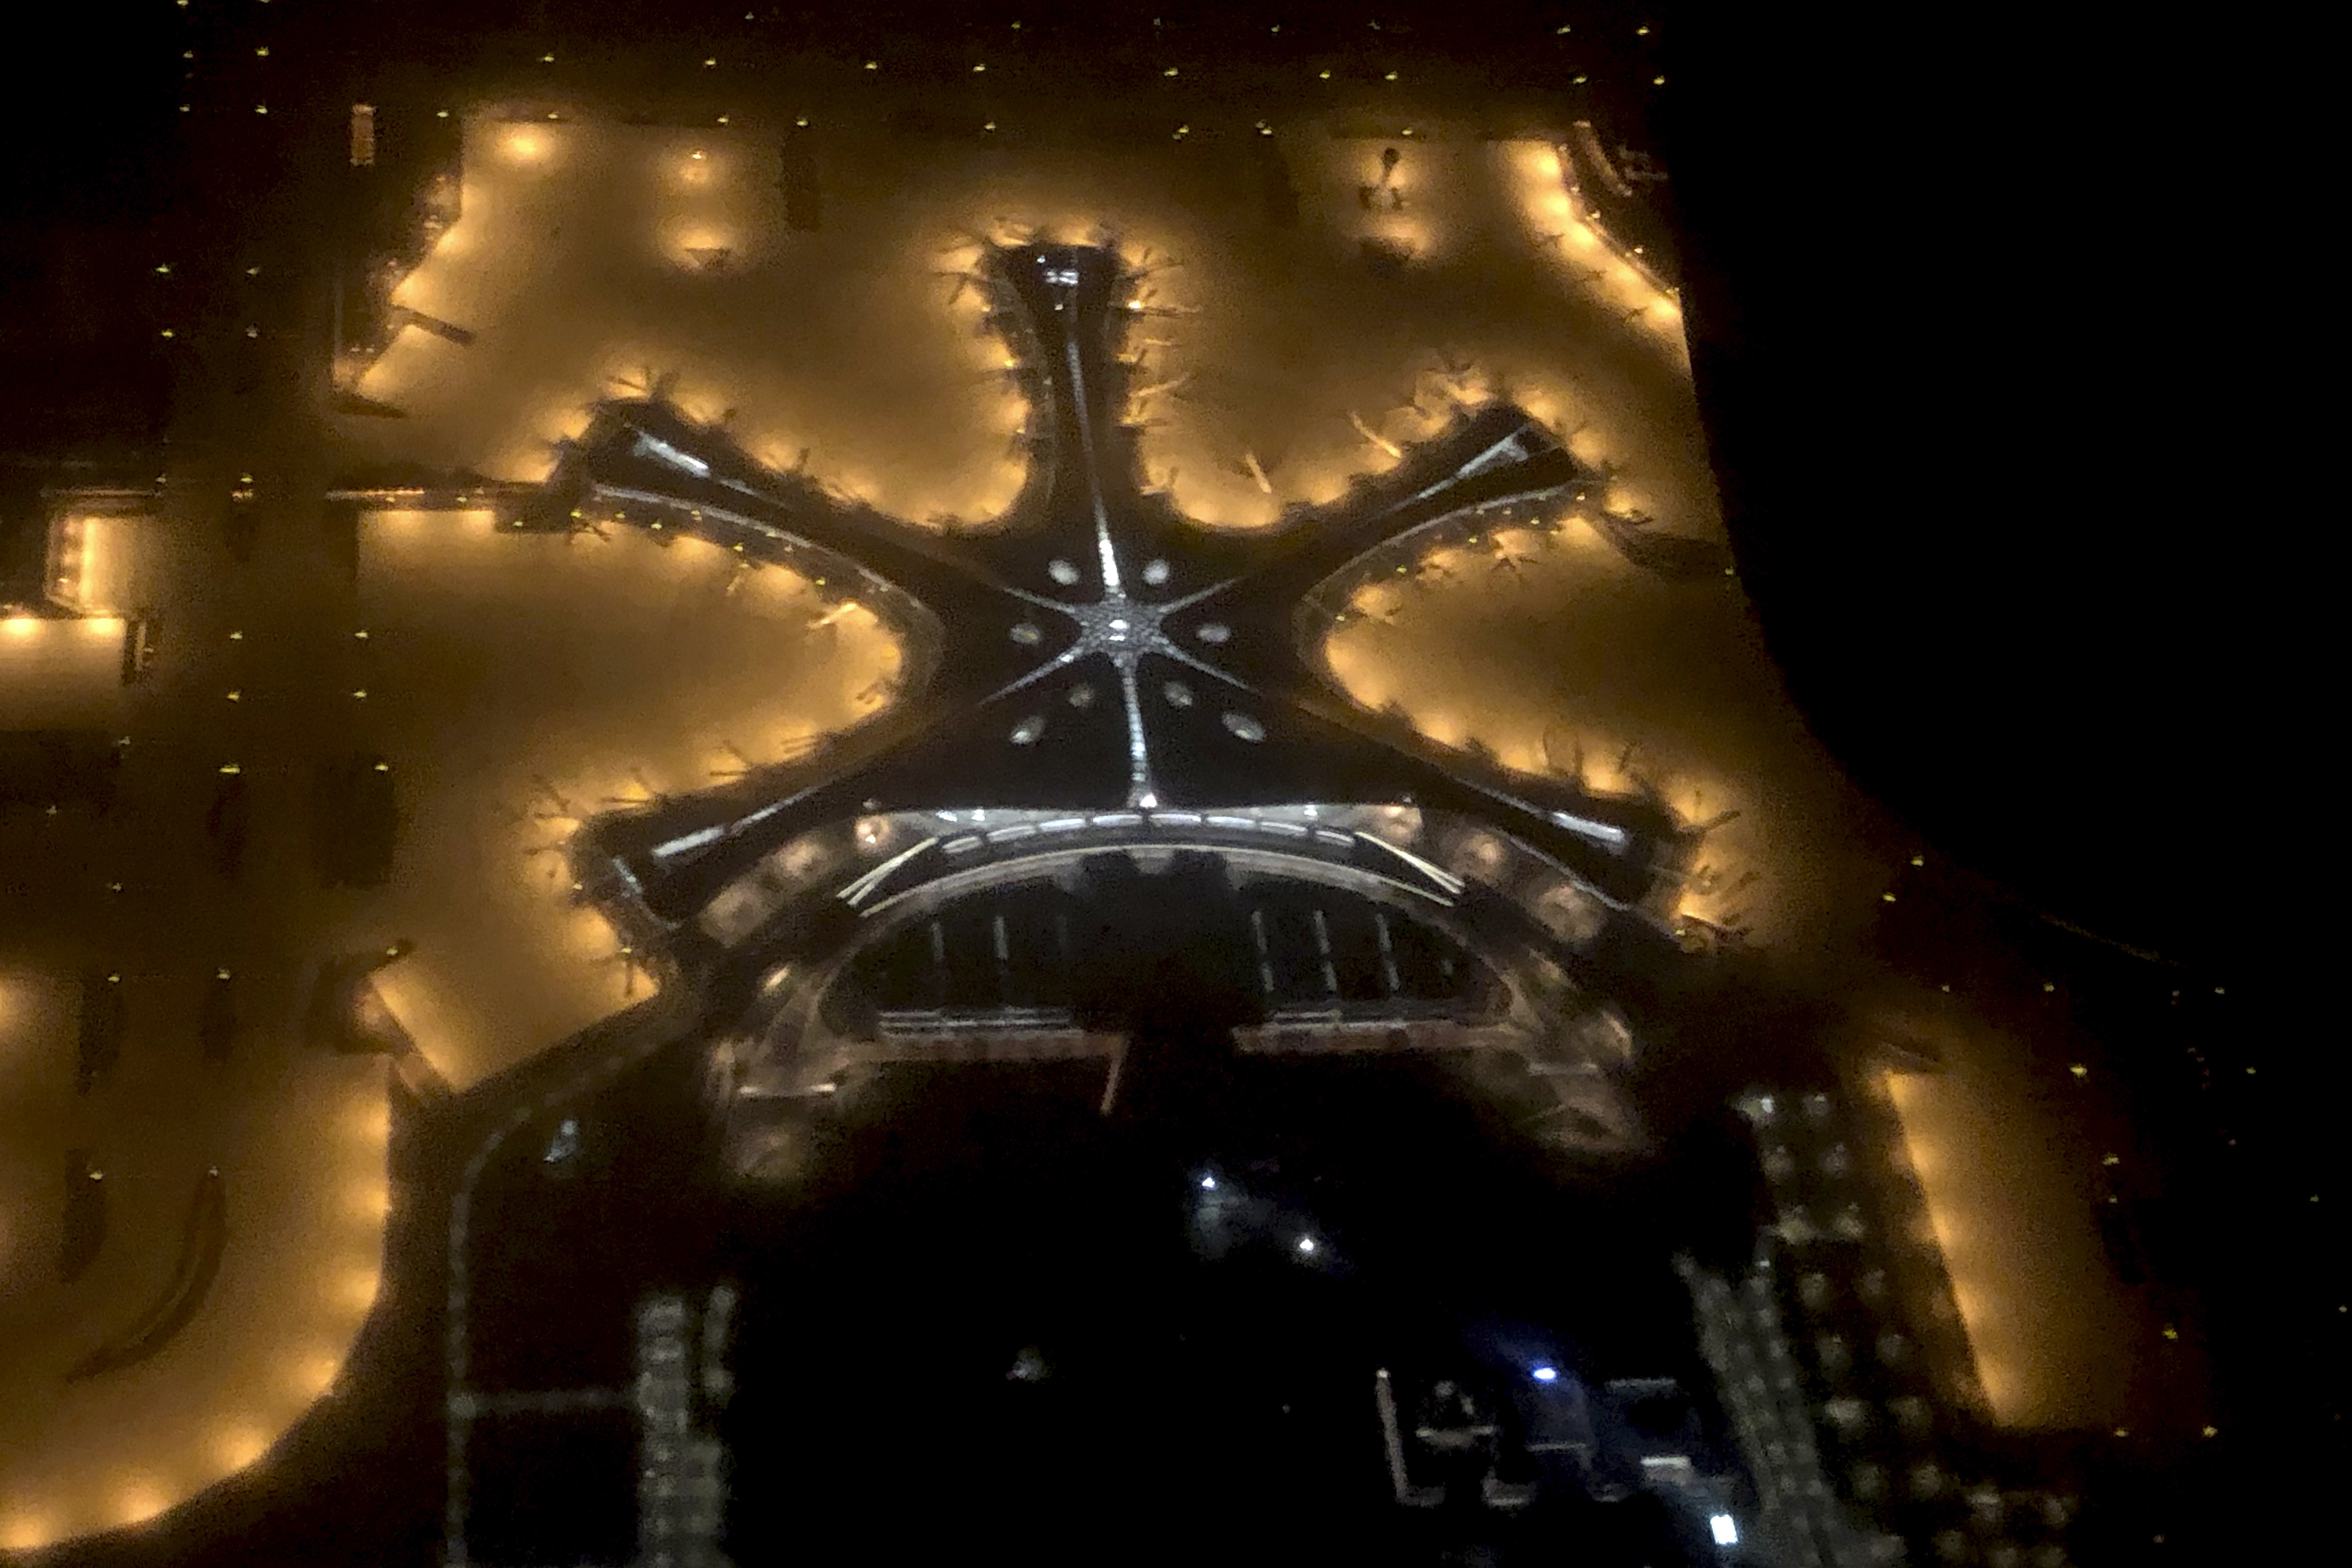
(1097, 652)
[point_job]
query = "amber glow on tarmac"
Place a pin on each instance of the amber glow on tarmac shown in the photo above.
(1532, 171)
(25, 1531)
(1604, 676)
(239, 1446)
(2046, 1326)
(511, 684)
(88, 563)
(576, 242)
(527, 145)
(1463, 222)
(753, 666)
(93, 545)
(504, 965)
(305, 1232)
(60, 674)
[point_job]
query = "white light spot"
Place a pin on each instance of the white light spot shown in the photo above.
(1726, 1531)
(1243, 727)
(1178, 694)
(1026, 732)
(1306, 1246)
(1213, 632)
(1155, 571)
(1062, 571)
(1546, 1375)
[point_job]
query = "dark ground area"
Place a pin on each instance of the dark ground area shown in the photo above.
(1997, 604)
(1208, 1391)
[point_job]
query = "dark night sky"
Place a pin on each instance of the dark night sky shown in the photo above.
(1949, 356)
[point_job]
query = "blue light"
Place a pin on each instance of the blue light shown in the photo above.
(1726, 1532)
(1545, 1374)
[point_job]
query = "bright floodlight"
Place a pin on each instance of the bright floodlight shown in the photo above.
(1307, 1246)
(1545, 1374)
(1208, 1184)
(1726, 1532)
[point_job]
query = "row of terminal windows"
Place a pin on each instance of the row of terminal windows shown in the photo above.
(1039, 946)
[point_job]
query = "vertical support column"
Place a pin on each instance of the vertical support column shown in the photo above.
(680, 1470)
(1745, 1345)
